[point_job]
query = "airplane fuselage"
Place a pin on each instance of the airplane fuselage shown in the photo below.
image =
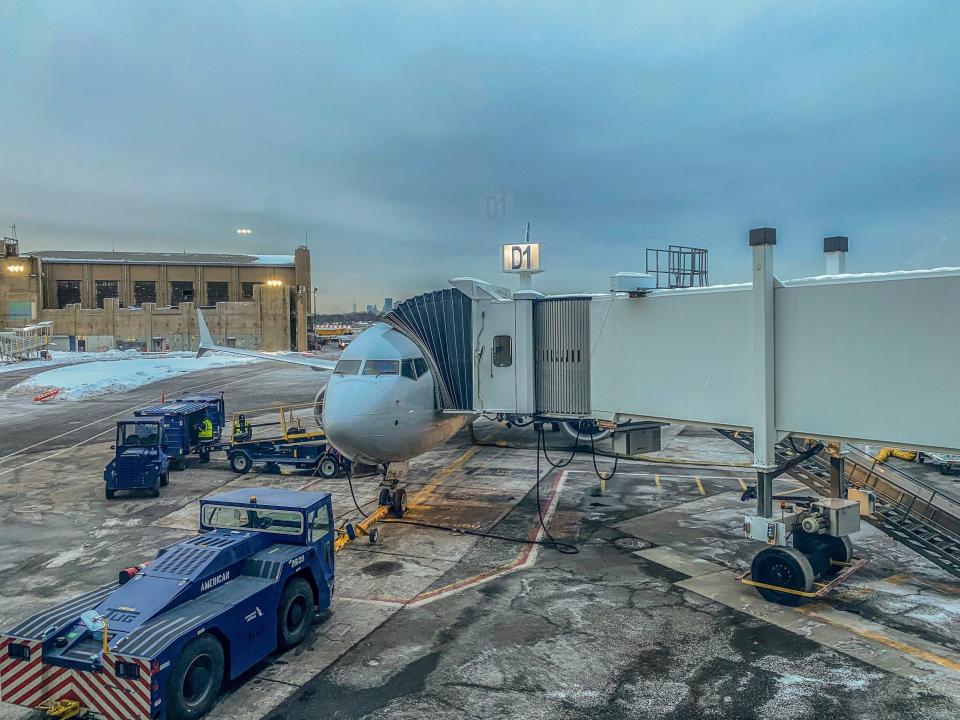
(379, 402)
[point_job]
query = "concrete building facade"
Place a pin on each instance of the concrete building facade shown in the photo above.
(100, 301)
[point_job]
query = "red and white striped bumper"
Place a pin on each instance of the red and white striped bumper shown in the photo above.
(32, 683)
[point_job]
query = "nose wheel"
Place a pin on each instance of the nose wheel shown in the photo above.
(394, 498)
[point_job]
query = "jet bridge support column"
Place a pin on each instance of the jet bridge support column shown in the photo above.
(762, 241)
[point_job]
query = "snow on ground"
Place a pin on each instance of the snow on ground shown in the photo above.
(63, 357)
(122, 373)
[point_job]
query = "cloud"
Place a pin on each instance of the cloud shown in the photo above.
(386, 129)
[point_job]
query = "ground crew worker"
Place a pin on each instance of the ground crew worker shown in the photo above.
(241, 429)
(206, 430)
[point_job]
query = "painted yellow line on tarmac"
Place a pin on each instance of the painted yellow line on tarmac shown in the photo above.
(699, 485)
(428, 490)
(743, 485)
(656, 479)
(898, 645)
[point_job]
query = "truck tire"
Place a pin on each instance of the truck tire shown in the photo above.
(165, 478)
(841, 550)
(194, 682)
(110, 493)
(295, 613)
(785, 567)
(328, 467)
(240, 463)
(155, 490)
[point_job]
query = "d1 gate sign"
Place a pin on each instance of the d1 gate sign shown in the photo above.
(521, 258)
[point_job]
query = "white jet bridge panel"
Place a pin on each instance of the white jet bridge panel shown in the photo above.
(872, 357)
(673, 355)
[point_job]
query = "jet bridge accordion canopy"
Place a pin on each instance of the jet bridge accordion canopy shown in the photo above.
(440, 324)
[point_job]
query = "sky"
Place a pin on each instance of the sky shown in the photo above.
(405, 142)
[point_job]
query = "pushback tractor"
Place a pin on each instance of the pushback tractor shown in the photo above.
(158, 643)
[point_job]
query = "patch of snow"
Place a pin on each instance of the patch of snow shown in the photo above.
(67, 556)
(273, 260)
(64, 357)
(101, 376)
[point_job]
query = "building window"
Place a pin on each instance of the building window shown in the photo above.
(246, 290)
(144, 291)
(502, 351)
(106, 289)
(217, 292)
(181, 292)
(68, 293)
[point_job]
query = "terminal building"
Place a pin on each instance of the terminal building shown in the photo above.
(148, 300)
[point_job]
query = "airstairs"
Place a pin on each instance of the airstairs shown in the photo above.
(907, 509)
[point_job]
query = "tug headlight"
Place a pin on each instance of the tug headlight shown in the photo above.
(128, 670)
(18, 651)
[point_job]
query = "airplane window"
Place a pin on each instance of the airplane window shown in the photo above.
(421, 366)
(347, 367)
(407, 369)
(381, 367)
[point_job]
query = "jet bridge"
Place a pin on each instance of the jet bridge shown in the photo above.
(808, 357)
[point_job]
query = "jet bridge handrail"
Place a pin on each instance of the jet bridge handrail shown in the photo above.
(913, 495)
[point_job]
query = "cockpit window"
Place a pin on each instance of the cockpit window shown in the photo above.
(347, 367)
(407, 369)
(381, 367)
(420, 365)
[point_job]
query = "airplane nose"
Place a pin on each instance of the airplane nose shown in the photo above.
(348, 410)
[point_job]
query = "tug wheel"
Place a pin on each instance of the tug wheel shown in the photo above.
(784, 567)
(841, 551)
(165, 478)
(110, 493)
(195, 681)
(399, 502)
(240, 463)
(296, 609)
(155, 490)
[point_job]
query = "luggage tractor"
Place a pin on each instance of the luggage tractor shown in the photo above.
(158, 643)
(140, 461)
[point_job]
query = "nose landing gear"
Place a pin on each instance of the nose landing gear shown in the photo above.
(392, 496)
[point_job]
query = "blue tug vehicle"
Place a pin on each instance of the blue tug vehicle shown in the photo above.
(140, 461)
(158, 643)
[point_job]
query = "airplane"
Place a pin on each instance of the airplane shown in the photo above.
(378, 407)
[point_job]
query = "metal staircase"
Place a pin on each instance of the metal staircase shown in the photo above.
(908, 510)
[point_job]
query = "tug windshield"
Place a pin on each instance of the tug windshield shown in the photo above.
(288, 522)
(138, 434)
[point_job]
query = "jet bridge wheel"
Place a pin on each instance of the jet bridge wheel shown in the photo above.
(784, 567)
(195, 681)
(295, 612)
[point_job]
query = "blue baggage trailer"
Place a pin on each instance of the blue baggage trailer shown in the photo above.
(140, 461)
(216, 408)
(181, 425)
(158, 643)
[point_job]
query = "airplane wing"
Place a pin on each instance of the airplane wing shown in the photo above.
(208, 345)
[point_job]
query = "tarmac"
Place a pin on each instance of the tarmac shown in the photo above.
(646, 620)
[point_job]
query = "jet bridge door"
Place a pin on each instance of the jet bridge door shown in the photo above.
(496, 356)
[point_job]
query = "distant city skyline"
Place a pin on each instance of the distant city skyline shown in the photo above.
(405, 142)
